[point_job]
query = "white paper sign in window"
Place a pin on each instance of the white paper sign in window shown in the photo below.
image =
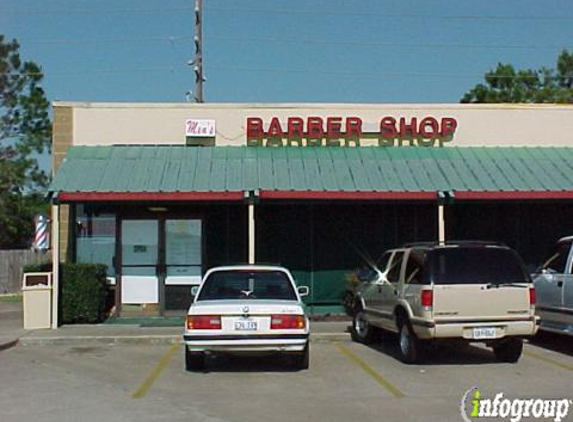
(200, 128)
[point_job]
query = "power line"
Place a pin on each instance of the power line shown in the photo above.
(359, 43)
(98, 11)
(62, 41)
(384, 15)
(287, 71)
(330, 12)
(382, 74)
(385, 43)
(88, 71)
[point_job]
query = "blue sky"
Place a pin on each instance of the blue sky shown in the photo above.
(399, 51)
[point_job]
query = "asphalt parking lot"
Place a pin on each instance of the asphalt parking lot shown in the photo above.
(346, 381)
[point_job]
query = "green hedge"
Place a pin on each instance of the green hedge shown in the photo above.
(83, 291)
(40, 267)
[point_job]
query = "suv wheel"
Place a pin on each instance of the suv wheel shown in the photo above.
(194, 361)
(509, 350)
(362, 331)
(410, 346)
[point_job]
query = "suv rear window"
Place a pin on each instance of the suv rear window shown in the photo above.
(247, 285)
(476, 266)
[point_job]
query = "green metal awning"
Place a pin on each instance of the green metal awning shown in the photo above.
(136, 172)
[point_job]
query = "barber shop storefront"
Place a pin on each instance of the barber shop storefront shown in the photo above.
(161, 192)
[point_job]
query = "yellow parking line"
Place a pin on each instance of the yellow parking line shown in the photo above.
(371, 371)
(562, 365)
(154, 374)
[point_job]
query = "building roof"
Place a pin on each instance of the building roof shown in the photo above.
(135, 172)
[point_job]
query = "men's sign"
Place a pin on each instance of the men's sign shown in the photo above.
(200, 128)
(346, 131)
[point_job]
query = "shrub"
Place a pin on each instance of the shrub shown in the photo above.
(38, 267)
(83, 293)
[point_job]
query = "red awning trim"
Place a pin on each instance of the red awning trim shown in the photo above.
(512, 195)
(343, 195)
(148, 196)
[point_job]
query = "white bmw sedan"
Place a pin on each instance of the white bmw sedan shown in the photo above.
(247, 309)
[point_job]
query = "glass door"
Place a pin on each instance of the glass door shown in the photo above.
(183, 261)
(139, 253)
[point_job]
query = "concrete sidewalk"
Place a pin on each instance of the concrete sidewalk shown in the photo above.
(12, 333)
(11, 326)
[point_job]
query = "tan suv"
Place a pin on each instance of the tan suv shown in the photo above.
(472, 291)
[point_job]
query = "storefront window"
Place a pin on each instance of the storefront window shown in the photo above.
(95, 237)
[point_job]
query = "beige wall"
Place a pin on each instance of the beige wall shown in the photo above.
(164, 123)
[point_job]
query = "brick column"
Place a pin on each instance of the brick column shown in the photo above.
(62, 139)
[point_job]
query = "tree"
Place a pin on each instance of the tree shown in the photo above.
(25, 132)
(506, 85)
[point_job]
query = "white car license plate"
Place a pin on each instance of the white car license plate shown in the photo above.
(484, 333)
(246, 325)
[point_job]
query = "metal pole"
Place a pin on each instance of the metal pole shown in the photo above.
(251, 232)
(441, 224)
(198, 52)
(55, 263)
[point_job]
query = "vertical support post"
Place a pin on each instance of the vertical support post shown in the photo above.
(55, 263)
(311, 227)
(441, 224)
(198, 51)
(251, 224)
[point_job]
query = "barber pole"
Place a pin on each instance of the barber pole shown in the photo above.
(41, 241)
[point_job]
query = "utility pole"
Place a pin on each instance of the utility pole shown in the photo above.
(198, 52)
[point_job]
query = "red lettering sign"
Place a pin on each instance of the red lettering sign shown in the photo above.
(295, 128)
(314, 128)
(353, 127)
(388, 128)
(334, 130)
(255, 128)
(275, 129)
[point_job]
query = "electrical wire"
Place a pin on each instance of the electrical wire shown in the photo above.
(315, 13)
(175, 39)
(338, 73)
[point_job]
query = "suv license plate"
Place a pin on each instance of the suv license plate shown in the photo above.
(245, 325)
(484, 333)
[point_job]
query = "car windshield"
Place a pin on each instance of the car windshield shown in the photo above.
(476, 266)
(234, 284)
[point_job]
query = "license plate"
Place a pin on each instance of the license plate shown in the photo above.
(245, 325)
(484, 333)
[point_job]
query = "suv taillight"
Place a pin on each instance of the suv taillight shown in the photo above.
(203, 322)
(286, 322)
(427, 298)
(532, 296)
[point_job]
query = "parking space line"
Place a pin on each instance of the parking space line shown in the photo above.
(154, 374)
(371, 371)
(548, 360)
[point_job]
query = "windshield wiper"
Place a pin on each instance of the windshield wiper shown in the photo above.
(518, 284)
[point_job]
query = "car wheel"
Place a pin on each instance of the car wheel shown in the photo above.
(194, 361)
(509, 350)
(362, 331)
(302, 359)
(409, 345)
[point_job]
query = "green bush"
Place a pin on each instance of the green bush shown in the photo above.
(38, 267)
(83, 293)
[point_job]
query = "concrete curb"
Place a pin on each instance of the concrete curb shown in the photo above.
(137, 339)
(8, 344)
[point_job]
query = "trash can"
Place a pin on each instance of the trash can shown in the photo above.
(37, 300)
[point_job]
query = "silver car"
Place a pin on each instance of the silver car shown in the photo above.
(554, 287)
